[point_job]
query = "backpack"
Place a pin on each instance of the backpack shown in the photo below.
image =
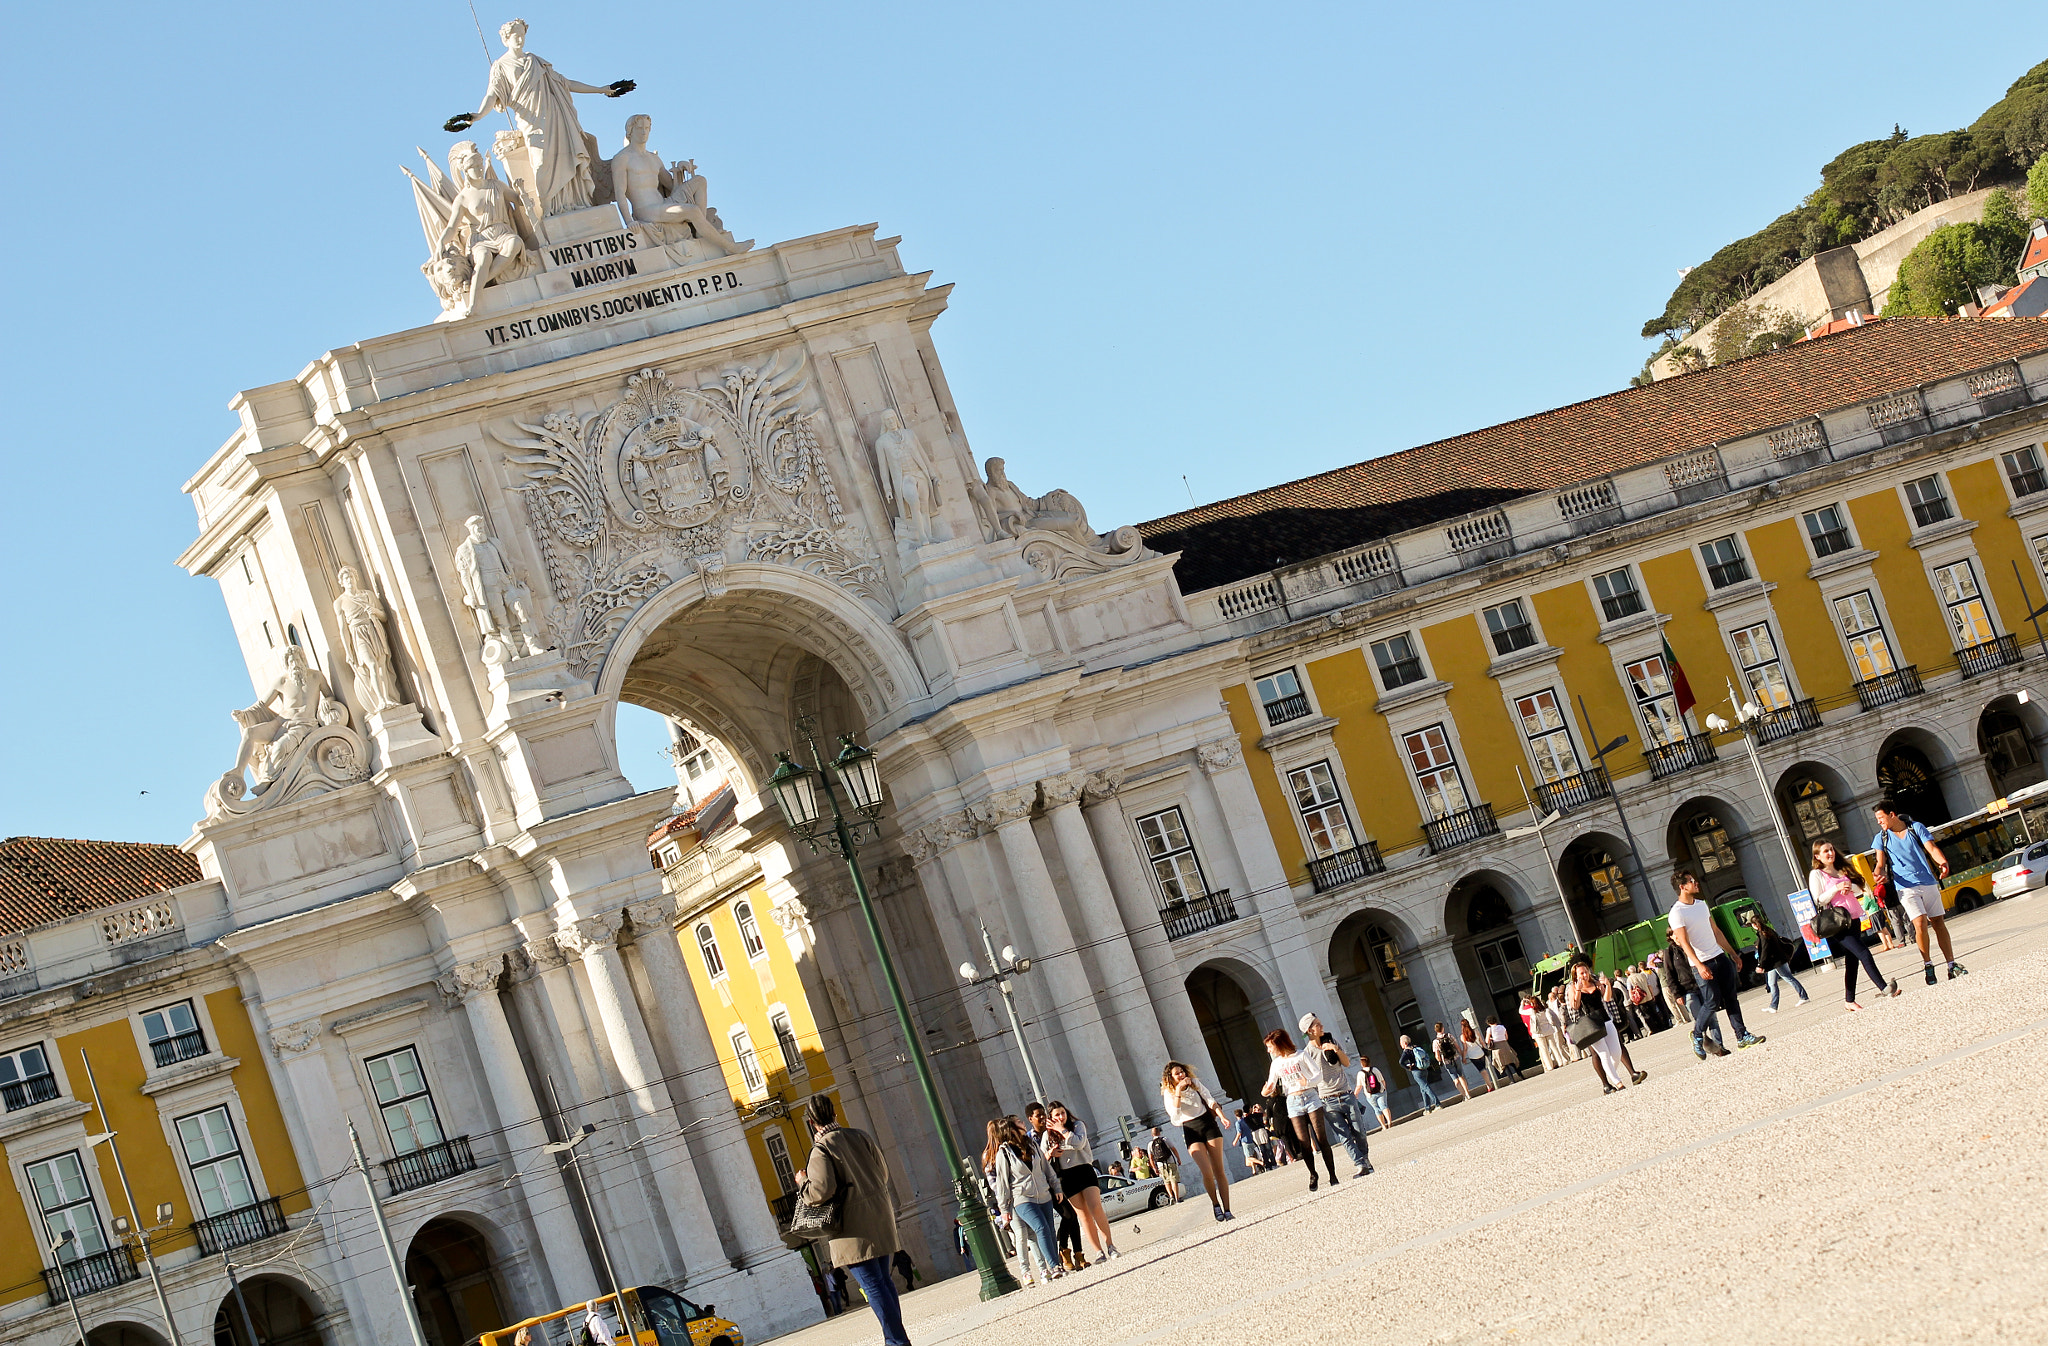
(1373, 1083)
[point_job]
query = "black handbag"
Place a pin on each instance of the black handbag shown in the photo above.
(809, 1223)
(1831, 922)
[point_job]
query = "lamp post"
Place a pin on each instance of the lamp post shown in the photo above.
(1007, 966)
(66, 1240)
(1549, 862)
(796, 790)
(1640, 880)
(1749, 714)
(163, 1211)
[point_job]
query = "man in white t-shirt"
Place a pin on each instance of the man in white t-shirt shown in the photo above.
(1712, 957)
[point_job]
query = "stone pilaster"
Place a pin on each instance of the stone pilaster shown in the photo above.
(1301, 988)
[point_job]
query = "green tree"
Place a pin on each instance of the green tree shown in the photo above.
(2037, 188)
(1944, 269)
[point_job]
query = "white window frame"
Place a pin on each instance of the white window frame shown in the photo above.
(752, 1077)
(2016, 465)
(1291, 673)
(238, 1155)
(1414, 742)
(752, 944)
(80, 1157)
(1635, 586)
(1813, 534)
(49, 1071)
(1546, 736)
(1320, 807)
(1415, 654)
(426, 1091)
(1977, 596)
(1948, 502)
(199, 1025)
(1494, 622)
(791, 1048)
(1849, 638)
(1740, 557)
(709, 952)
(1742, 650)
(1641, 703)
(1156, 846)
(779, 1158)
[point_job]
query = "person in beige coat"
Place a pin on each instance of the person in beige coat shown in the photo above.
(843, 1158)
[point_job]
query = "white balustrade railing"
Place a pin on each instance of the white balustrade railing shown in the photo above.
(1896, 409)
(138, 922)
(1478, 531)
(1694, 468)
(1583, 500)
(1793, 439)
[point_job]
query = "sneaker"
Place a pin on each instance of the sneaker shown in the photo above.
(1716, 1049)
(1217, 1211)
(1699, 1049)
(1930, 974)
(1770, 1009)
(1110, 1252)
(1957, 970)
(1607, 1089)
(1639, 1077)
(1361, 1173)
(1750, 1040)
(1228, 1216)
(1806, 1000)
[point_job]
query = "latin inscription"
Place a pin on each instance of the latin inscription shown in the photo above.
(625, 305)
(591, 249)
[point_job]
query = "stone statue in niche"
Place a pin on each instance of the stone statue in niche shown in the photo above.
(540, 103)
(913, 490)
(669, 202)
(269, 737)
(363, 643)
(495, 593)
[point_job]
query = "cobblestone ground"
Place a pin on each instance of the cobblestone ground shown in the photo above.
(1862, 1177)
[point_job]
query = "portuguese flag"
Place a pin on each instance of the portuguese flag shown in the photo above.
(1679, 685)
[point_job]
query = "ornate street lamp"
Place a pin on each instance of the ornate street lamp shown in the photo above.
(796, 789)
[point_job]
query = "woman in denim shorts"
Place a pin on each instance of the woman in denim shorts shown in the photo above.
(1299, 1075)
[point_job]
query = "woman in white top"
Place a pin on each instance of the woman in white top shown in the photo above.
(1193, 1109)
(1067, 1148)
(1299, 1075)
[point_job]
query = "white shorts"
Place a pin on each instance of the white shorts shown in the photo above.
(1924, 900)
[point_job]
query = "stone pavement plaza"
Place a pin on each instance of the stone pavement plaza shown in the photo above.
(1860, 1177)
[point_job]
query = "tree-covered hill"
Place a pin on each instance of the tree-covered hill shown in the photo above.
(1864, 189)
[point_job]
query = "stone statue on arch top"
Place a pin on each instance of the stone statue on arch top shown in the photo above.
(540, 104)
(669, 201)
(481, 236)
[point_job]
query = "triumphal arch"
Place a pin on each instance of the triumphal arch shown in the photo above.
(636, 458)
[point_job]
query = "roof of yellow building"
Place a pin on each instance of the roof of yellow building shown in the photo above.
(1249, 534)
(46, 879)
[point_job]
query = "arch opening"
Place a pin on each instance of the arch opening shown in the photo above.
(1481, 912)
(454, 1282)
(1596, 884)
(1705, 836)
(124, 1334)
(1369, 954)
(278, 1307)
(1908, 773)
(1234, 1008)
(2009, 734)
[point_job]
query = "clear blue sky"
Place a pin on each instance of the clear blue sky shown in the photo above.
(1186, 238)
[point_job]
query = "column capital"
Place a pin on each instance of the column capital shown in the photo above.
(592, 936)
(652, 915)
(1004, 807)
(1104, 785)
(292, 1039)
(1064, 788)
(468, 981)
(544, 953)
(1220, 754)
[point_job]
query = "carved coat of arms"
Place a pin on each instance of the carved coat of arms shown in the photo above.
(676, 479)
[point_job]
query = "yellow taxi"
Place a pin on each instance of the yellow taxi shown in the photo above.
(654, 1317)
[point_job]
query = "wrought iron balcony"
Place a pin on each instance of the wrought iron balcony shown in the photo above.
(1889, 688)
(1725, 573)
(1461, 828)
(1668, 759)
(1927, 513)
(1400, 673)
(1287, 708)
(236, 1228)
(1999, 651)
(1627, 603)
(784, 1209)
(90, 1274)
(1347, 866)
(19, 1094)
(1785, 721)
(1829, 541)
(181, 1047)
(425, 1167)
(1193, 915)
(1573, 792)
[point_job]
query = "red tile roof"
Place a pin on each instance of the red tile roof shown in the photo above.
(2010, 300)
(1249, 534)
(2037, 251)
(46, 879)
(1834, 325)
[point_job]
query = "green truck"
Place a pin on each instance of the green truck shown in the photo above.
(1634, 944)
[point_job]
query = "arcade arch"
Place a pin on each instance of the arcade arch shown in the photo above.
(1595, 882)
(1915, 768)
(454, 1280)
(1817, 804)
(1235, 1009)
(281, 1310)
(1480, 916)
(2009, 734)
(1709, 838)
(123, 1334)
(1369, 956)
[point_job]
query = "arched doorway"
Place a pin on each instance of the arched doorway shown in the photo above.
(1373, 987)
(123, 1334)
(1905, 773)
(1596, 885)
(1703, 837)
(449, 1268)
(1814, 801)
(1230, 1018)
(2008, 733)
(1480, 914)
(279, 1309)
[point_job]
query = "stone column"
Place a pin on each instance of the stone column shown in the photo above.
(1136, 898)
(1301, 988)
(556, 1237)
(961, 935)
(1076, 1007)
(595, 940)
(1129, 1007)
(700, 1093)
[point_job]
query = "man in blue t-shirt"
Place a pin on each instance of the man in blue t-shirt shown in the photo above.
(1908, 858)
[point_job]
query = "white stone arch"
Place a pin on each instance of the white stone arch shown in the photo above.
(1234, 1051)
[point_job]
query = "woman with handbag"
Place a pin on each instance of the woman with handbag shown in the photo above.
(846, 1196)
(1068, 1150)
(1773, 958)
(1299, 1076)
(1192, 1108)
(1838, 918)
(1023, 1184)
(1590, 1027)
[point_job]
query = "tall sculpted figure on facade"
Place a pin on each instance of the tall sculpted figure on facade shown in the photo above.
(360, 614)
(670, 202)
(481, 240)
(909, 479)
(539, 102)
(494, 592)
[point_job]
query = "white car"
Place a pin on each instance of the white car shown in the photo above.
(2021, 872)
(1128, 1196)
